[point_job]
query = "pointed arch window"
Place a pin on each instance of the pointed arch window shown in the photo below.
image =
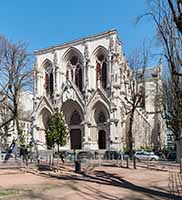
(98, 70)
(78, 77)
(51, 83)
(67, 75)
(72, 74)
(101, 70)
(46, 81)
(49, 79)
(75, 71)
(104, 75)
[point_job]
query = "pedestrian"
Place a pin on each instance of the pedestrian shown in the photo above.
(62, 157)
(24, 154)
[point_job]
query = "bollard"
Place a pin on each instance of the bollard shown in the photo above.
(99, 157)
(181, 166)
(77, 166)
(134, 162)
(127, 162)
(74, 155)
(122, 160)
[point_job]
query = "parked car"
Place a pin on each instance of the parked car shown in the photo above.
(83, 155)
(143, 155)
(70, 156)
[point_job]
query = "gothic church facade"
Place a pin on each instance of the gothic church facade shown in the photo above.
(86, 80)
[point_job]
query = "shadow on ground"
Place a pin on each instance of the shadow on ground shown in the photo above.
(86, 191)
(105, 178)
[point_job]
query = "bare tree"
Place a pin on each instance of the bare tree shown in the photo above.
(5, 131)
(167, 34)
(134, 87)
(167, 17)
(176, 10)
(15, 76)
(172, 101)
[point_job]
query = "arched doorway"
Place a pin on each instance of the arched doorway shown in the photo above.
(74, 116)
(75, 133)
(102, 139)
(43, 118)
(101, 116)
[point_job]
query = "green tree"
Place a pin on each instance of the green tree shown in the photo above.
(57, 131)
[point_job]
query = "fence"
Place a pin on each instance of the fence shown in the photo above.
(47, 160)
(95, 158)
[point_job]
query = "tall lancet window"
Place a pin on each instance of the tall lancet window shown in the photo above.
(78, 77)
(74, 72)
(51, 84)
(104, 75)
(74, 60)
(101, 70)
(49, 80)
(67, 75)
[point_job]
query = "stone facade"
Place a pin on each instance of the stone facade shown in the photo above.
(86, 80)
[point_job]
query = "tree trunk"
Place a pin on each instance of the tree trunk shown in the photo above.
(17, 125)
(130, 135)
(178, 150)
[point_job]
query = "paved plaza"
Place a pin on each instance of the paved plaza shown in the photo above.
(109, 183)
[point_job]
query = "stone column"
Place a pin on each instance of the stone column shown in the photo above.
(94, 137)
(86, 144)
(40, 87)
(86, 70)
(35, 83)
(98, 75)
(109, 70)
(55, 72)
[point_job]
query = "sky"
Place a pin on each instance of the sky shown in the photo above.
(44, 23)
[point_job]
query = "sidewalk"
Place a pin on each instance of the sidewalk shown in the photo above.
(175, 183)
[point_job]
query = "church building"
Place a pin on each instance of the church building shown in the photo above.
(86, 80)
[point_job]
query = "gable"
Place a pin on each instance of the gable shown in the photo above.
(70, 92)
(99, 94)
(44, 102)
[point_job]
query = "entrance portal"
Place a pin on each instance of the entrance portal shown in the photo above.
(75, 137)
(74, 116)
(102, 139)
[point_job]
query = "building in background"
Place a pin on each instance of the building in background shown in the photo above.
(8, 132)
(154, 106)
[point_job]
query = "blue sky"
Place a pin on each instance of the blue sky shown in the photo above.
(44, 23)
